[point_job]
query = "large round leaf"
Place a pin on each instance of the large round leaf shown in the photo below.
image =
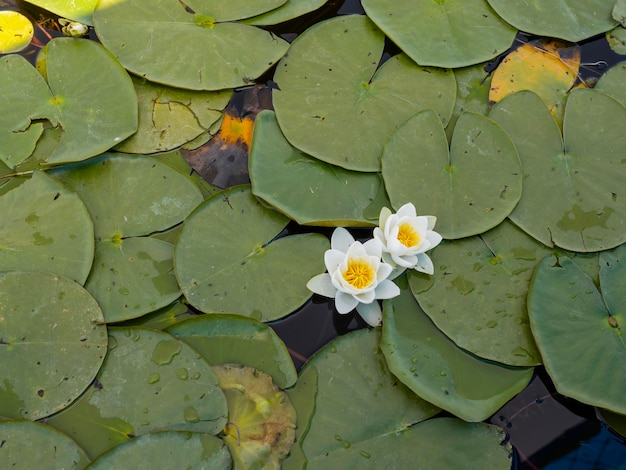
(233, 339)
(443, 33)
(27, 445)
(227, 261)
(431, 365)
(75, 68)
(581, 345)
(149, 381)
(77, 10)
(190, 44)
(21, 83)
(306, 189)
(52, 343)
(477, 295)
(581, 174)
(470, 188)
(353, 381)
(170, 117)
(45, 227)
(167, 449)
(336, 104)
(131, 277)
(612, 82)
(572, 20)
(131, 196)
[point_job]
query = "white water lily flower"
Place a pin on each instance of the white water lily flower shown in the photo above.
(406, 237)
(356, 276)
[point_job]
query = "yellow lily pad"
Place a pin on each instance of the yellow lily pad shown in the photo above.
(549, 68)
(16, 32)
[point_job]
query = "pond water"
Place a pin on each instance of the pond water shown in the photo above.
(547, 430)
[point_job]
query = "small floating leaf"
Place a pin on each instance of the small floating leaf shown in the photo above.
(16, 32)
(227, 259)
(52, 343)
(27, 445)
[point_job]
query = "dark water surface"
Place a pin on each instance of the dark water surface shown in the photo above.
(547, 430)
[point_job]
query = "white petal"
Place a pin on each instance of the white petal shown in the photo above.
(345, 303)
(332, 259)
(370, 313)
(432, 220)
(366, 297)
(434, 238)
(420, 224)
(341, 239)
(407, 210)
(382, 218)
(384, 270)
(389, 225)
(424, 264)
(387, 290)
(404, 261)
(373, 247)
(322, 285)
(379, 235)
(356, 250)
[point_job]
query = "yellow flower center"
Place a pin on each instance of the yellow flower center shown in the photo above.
(408, 236)
(359, 273)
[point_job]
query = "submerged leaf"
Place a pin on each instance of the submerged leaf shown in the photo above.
(261, 419)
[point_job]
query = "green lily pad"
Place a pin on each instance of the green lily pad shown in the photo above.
(52, 343)
(77, 10)
(149, 382)
(132, 277)
(308, 190)
(616, 421)
(170, 117)
(163, 318)
(352, 379)
(21, 83)
(472, 93)
(617, 40)
(74, 69)
(431, 365)
(16, 32)
(612, 82)
(571, 20)
(477, 295)
(233, 339)
(435, 443)
(167, 449)
(584, 169)
(619, 12)
(227, 260)
(192, 44)
(570, 319)
(470, 188)
(334, 102)
(45, 227)
(290, 10)
(27, 445)
(443, 33)
(130, 196)
(261, 419)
